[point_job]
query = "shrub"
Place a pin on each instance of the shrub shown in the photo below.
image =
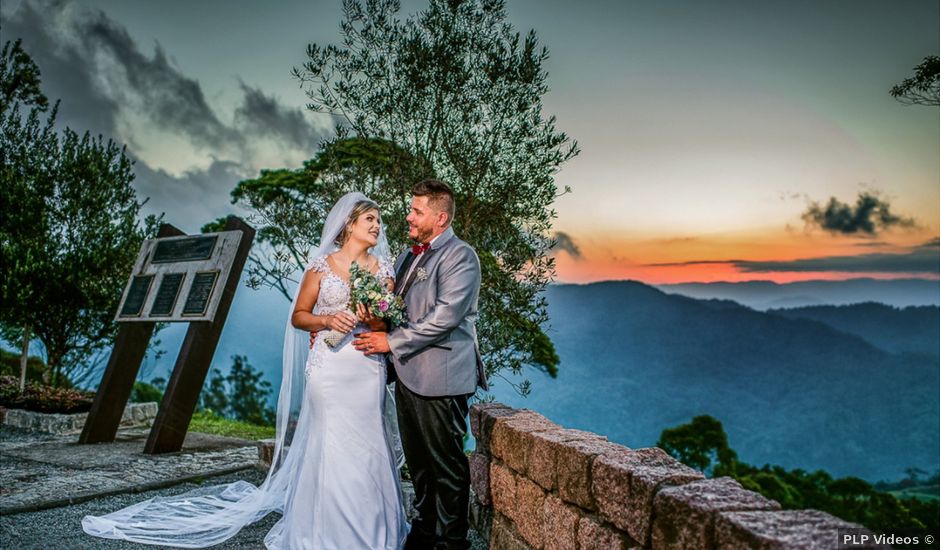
(45, 399)
(241, 395)
(147, 393)
(10, 366)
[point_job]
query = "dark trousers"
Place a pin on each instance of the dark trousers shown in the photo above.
(432, 432)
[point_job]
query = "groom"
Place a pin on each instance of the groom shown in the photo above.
(437, 360)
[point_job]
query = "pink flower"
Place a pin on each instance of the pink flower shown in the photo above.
(383, 305)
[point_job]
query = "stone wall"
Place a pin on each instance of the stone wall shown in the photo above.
(539, 486)
(135, 414)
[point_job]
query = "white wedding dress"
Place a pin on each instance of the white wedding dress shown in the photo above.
(337, 482)
(347, 494)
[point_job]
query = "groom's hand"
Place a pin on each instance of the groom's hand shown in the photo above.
(372, 343)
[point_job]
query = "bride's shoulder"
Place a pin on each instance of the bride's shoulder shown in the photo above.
(318, 264)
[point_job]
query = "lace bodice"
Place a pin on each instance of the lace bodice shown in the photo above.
(334, 291)
(333, 298)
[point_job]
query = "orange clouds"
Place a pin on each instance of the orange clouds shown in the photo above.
(769, 255)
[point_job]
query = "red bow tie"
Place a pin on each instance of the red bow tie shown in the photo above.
(418, 249)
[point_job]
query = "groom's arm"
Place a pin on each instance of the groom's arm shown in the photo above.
(458, 289)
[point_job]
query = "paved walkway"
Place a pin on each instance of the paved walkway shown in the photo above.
(61, 528)
(49, 483)
(39, 472)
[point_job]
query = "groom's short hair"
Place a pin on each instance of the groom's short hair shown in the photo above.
(440, 196)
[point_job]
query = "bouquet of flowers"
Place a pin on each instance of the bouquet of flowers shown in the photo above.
(369, 291)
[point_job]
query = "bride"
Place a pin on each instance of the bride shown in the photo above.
(334, 475)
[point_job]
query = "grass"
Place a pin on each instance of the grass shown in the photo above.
(208, 422)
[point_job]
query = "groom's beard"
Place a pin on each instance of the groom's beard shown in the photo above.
(422, 236)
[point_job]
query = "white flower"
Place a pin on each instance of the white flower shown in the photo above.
(421, 274)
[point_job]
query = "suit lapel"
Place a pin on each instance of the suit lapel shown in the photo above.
(438, 243)
(423, 259)
(402, 269)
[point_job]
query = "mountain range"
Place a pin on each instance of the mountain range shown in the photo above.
(853, 390)
(789, 388)
(764, 295)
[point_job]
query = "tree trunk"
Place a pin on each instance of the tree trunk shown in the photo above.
(52, 363)
(24, 356)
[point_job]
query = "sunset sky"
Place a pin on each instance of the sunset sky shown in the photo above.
(707, 129)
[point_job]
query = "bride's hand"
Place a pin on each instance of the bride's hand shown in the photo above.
(366, 316)
(341, 322)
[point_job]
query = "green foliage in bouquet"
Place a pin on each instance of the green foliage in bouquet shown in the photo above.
(368, 290)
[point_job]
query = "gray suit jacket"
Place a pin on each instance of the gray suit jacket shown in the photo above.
(436, 353)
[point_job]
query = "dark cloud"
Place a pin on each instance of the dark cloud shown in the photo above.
(922, 259)
(67, 71)
(265, 116)
(563, 241)
(695, 262)
(870, 215)
(174, 102)
(191, 199)
(932, 243)
(98, 70)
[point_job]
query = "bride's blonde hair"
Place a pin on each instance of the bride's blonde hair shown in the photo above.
(358, 209)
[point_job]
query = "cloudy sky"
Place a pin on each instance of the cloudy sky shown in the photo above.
(713, 134)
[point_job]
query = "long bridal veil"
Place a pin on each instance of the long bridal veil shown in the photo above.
(211, 515)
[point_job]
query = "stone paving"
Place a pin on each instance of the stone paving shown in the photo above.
(48, 483)
(48, 471)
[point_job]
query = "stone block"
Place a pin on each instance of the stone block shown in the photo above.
(511, 438)
(483, 417)
(476, 416)
(503, 490)
(559, 525)
(782, 530)
(504, 537)
(265, 453)
(593, 535)
(684, 515)
(573, 460)
(139, 413)
(530, 506)
(480, 476)
(543, 454)
(625, 483)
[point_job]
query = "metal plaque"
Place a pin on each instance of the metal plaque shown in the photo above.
(181, 287)
(197, 301)
(136, 295)
(189, 249)
(165, 300)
